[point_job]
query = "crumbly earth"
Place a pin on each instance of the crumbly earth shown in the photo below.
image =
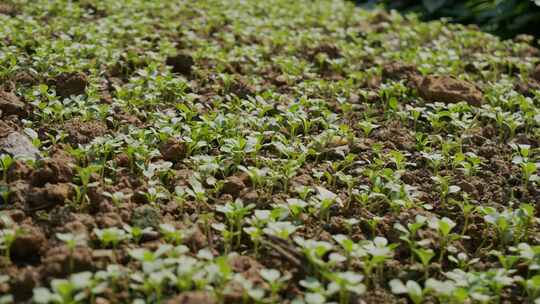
(227, 151)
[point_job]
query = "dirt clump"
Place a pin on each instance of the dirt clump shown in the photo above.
(23, 281)
(48, 196)
(83, 132)
(7, 9)
(19, 170)
(193, 297)
(60, 261)
(173, 149)
(233, 185)
(527, 88)
(330, 50)
(536, 73)
(446, 89)
(241, 88)
(181, 63)
(7, 127)
(29, 245)
(399, 71)
(54, 170)
(11, 104)
(68, 84)
(25, 78)
(247, 266)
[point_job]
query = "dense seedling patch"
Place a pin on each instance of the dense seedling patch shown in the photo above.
(263, 152)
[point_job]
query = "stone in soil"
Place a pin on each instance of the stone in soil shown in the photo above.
(145, 216)
(447, 89)
(19, 145)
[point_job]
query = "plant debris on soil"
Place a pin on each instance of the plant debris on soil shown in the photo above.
(227, 151)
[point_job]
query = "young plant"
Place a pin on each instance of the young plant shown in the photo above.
(6, 161)
(367, 127)
(72, 241)
(425, 256)
(276, 281)
(411, 288)
(444, 227)
(235, 212)
(373, 255)
(110, 237)
(280, 229)
(324, 200)
(173, 235)
(4, 194)
(346, 283)
(445, 189)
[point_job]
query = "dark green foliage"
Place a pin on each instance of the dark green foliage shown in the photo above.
(506, 18)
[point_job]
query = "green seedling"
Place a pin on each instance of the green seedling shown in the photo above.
(6, 161)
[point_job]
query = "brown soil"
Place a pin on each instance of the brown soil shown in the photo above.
(449, 90)
(233, 185)
(181, 63)
(536, 73)
(7, 9)
(173, 149)
(70, 84)
(193, 297)
(10, 104)
(83, 132)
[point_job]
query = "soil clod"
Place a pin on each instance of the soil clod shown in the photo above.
(181, 63)
(233, 185)
(68, 84)
(83, 132)
(10, 104)
(447, 89)
(173, 149)
(193, 297)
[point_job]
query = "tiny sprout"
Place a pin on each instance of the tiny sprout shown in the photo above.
(296, 206)
(367, 127)
(347, 282)
(444, 227)
(280, 229)
(324, 200)
(411, 288)
(275, 279)
(72, 241)
(425, 256)
(171, 234)
(445, 189)
(6, 161)
(110, 236)
(4, 194)
(117, 197)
